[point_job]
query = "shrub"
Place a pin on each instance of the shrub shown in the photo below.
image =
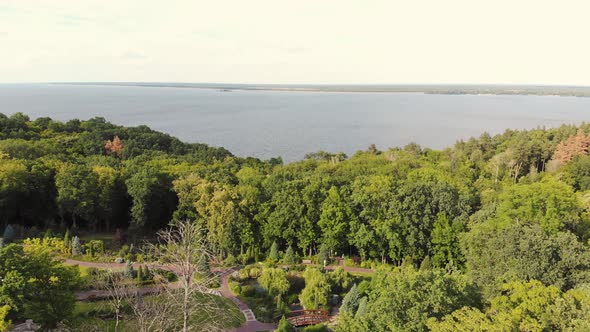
(316, 328)
(92, 271)
(235, 287)
(124, 251)
(248, 291)
(46, 245)
(285, 326)
(254, 272)
(297, 268)
(94, 247)
(9, 234)
(230, 260)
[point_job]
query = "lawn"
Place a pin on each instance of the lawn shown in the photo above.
(89, 316)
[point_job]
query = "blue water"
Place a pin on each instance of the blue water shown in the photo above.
(267, 124)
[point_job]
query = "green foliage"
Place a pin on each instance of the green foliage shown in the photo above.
(290, 257)
(362, 308)
(324, 255)
(351, 301)
(524, 252)
(550, 203)
(404, 300)
(94, 247)
(335, 217)
(317, 289)
(523, 306)
(273, 254)
(285, 326)
(49, 245)
(36, 286)
(76, 246)
(274, 280)
(340, 280)
(316, 328)
(5, 324)
(67, 238)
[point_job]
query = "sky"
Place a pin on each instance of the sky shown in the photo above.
(296, 41)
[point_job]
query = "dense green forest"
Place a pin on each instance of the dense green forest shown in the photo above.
(493, 229)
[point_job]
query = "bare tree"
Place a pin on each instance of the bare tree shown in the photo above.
(118, 288)
(184, 249)
(154, 313)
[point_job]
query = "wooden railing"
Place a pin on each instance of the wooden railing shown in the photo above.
(307, 317)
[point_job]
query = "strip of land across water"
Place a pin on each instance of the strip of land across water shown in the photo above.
(538, 90)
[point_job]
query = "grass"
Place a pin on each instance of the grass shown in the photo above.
(90, 316)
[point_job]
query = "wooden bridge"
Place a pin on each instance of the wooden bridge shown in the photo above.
(307, 317)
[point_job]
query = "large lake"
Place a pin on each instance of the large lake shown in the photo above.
(266, 124)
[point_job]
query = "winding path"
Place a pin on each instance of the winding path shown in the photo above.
(252, 324)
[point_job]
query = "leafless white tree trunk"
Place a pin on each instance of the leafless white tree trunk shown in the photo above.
(184, 248)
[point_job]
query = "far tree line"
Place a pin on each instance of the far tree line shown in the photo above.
(402, 204)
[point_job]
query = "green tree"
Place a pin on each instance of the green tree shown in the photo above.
(445, 242)
(550, 203)
(290, 257)
(351, 301)
(67, 238)
(77, 188)
(317, 289)
(36, 286)
(334, 220)
(404, 300)
(529, 306)
(275, 281)
(495, 254)
(273, 254)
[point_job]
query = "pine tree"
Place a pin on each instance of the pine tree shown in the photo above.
(426, 264)
(9, 234)
(273, 255)
(289, 256)
(76, 246)
(67, 238)
(140, 276)
(129, 271)
(363, 308)
(146, 273)
(324, 254)
(351, 301)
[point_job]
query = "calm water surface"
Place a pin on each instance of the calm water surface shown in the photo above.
(266, 124)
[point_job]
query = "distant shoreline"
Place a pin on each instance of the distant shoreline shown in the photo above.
(525, 90)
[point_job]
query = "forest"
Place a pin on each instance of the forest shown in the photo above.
(490, 234)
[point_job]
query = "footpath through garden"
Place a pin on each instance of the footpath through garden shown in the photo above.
(252, 324)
